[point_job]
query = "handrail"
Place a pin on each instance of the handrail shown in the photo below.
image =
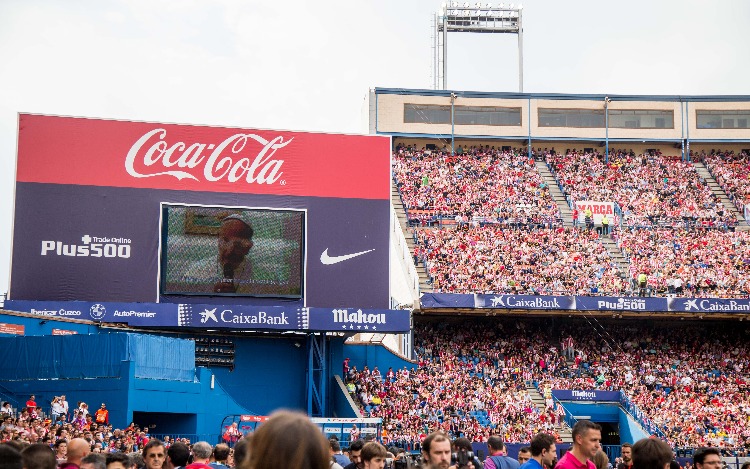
(640, 416)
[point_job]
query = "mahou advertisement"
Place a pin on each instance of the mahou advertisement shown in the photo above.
(110, 210)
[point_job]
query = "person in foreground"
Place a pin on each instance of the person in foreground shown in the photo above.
(288, 440)
(587, 437)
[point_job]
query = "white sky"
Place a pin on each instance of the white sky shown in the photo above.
(307, 66)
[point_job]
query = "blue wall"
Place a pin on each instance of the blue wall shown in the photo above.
(269, 374)
(194, 407)
(374, 355)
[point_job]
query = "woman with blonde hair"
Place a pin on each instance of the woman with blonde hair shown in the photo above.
(601, 461)
(287, 439)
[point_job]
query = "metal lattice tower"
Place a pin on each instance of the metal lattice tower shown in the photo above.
(464, 18)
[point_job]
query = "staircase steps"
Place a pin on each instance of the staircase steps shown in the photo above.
(719, 192)
(538, 400)
(398, 206)
(555, 192)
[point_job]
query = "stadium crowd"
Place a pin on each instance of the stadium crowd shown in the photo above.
(541, 261)
(732, 173)
(471, 380)
(676, 231)
(691, 263)
(480, 185)
(651, 188)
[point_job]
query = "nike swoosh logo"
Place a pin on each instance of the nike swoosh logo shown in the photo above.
(330, 260)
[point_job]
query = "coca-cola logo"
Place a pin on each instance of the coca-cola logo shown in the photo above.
(225, 160)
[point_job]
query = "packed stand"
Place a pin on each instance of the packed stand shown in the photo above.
(541, 261)
(732, 173)
(690, 381)
(471, 383)
(480, 185)
(651, 189)
(690, 263)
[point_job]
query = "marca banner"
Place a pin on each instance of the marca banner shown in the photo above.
(204, 316)
(621, 303)
(598, 210)
(523, 301)
(719, 305)
(124, 211)
(589, 395)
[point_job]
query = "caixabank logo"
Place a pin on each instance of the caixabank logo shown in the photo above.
(89, 246)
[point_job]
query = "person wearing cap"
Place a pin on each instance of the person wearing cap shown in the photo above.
(231, 269)
(102, 415)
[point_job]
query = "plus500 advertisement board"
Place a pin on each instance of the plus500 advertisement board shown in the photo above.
(125, 211)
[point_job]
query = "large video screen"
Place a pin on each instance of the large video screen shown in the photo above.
(230, 251)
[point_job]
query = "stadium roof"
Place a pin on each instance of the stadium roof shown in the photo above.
(564, 96)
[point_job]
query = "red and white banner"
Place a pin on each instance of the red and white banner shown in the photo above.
(15, 329)
(598, 211)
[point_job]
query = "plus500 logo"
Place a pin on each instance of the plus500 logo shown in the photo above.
(92, 247)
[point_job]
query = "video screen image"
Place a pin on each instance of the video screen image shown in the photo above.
(232, 251)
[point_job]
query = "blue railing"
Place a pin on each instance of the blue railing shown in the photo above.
(640, 416)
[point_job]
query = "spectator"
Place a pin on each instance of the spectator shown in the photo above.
(651, 453)
(94, 461)
(524, 454)
(289, 439)
(201, 456)
(117, 461)
(626, 456)
(102, 415)
(38, 456)
(436, 450)
(543, 452)
(154, 454)
(587, 437)
(220, 456)
(374, 455)
(10, 458)
(178, 455)
(601, 461)
(498, 458)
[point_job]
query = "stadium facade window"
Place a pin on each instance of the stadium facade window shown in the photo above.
(463, 115)
(723, 119)
(595, 118)
(585, 118)
(640, 119)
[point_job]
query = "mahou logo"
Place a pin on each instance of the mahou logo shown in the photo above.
(247, 157)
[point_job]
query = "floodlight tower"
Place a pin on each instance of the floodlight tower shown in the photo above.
(462, 17)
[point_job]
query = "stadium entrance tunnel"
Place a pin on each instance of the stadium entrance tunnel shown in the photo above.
(168, 423)
(610, 433)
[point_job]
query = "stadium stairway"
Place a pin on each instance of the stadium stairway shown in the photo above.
(555, 192)
(403, 222)
(719, 192)
(614, 252)
(538, 400)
